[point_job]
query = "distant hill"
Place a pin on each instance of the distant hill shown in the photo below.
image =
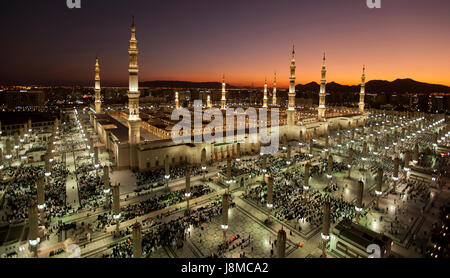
(183, 84)
(399, 86)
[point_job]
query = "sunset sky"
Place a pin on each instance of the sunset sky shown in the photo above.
(247, 40)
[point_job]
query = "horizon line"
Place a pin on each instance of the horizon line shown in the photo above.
(107, 84)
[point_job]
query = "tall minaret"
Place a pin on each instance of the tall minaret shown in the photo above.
(274, 93)
(134, 122)
(177, 101)
(224, 95)
(290, 113)
(322, 107)
(363, 91)
(265, 94)
(292, 83)
(98, 98)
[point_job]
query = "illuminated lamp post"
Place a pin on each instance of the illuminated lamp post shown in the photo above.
(378, 189)
(107, 187)
(325, 227)
(281, 243)
(350, 160)
(416, 154)
(269, 197)
(288, 161)
(306, 181)
(167, 172)
(33, 234)
(229, 179)
(330, 169)
(204, 164)
(187, 190)
(311, 141)
(116, 207)
(225, 207)
(359, 197)
(264, 163)
(41, 198)
(395, 174)
(137, 240)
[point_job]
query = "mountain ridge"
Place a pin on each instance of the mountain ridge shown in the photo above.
(406, 85)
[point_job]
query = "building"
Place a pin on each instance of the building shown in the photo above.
(141, 140)
(351, 240)
(22, 98)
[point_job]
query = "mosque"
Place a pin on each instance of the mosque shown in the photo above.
(141, 145)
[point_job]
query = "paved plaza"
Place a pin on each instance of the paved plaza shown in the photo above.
(406, 216)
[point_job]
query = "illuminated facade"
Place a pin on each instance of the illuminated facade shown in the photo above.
(131, 151)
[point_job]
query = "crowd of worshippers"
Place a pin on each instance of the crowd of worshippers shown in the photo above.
(55, 194)
(385, 163)
(254, 166)
(439, 235)
(170, 234)
(155, 177)
(83, 157)
(417, 191)
(71, 145)
(322, 168)
(443, 164)
(84, 167)
(36, 148)
(292, 202)
(155, 203)
(22, 187)
(90, 187)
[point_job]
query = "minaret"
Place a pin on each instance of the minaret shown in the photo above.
(224, 97)
(134, 122)
(177, 101)
(363, 91)
(98, 98)
(292, 83)
(208, 101)
(274, 93)
(265, 95)
(322, 107)
(290, 113)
